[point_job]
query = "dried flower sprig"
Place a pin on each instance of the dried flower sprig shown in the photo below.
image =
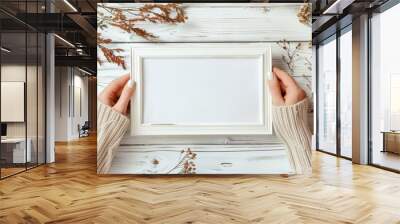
(127, 19)
(291, 56)
(109, 53)
(291, 53)
(186, 162)
(304, 14)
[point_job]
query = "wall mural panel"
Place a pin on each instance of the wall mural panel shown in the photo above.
(285, 26)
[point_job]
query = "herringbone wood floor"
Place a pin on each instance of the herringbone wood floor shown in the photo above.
(69, 191)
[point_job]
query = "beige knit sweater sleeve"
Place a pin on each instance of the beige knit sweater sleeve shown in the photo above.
(111, 127)
(290, 124)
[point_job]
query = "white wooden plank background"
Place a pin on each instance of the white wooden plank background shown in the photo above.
(210, 159)
(221, 22)
(260, 22)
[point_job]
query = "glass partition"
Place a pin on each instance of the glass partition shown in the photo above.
(22, 77)
(32, 98)
(14, 155)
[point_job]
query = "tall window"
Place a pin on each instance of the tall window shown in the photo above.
(327, 96)
(385, 89)
(346, 93)
(394, 101)
(335, 137)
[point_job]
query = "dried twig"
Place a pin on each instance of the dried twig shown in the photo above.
(127, 20)
(291, 53)
(109, 53)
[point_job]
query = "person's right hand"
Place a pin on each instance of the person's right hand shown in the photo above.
(284, 89)
(118, 94)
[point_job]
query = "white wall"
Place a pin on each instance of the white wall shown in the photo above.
(67, 116)
(61, 103)
(79, 83)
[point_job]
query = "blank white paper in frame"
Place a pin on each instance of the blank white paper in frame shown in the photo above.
(201, 89)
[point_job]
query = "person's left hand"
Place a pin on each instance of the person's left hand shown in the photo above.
(118, 94)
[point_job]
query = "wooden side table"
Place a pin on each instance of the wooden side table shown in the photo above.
(391, 141)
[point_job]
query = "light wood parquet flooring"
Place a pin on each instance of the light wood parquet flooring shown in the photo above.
(70, 191)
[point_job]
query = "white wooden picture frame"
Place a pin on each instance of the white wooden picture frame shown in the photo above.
(201, 89)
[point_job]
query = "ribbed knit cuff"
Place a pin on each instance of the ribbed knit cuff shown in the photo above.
(290, 123)
(111, 126)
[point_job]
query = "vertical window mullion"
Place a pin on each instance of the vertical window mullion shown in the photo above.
(316, 97)
(369, 79)
(37, 89)
(26, 87)
(338, 74)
